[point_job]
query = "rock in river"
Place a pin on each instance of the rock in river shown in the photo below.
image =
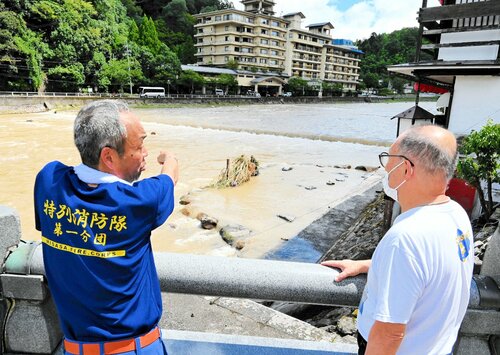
(235, 234)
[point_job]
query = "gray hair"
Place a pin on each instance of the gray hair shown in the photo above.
(98, 125)
(431, 156)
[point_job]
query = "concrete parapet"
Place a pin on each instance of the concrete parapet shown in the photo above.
(10, 231)
(32, 327)
(491, 260)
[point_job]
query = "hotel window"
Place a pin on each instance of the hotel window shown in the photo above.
(273, 62)
(275, 43)
(264, 41)
(263, 61)
(263, 51)
(218, 18)
(264, 22)
(227, 17)
(226, 28)
(275, 33)
(264, 32)
(226, 49)
(275, 23)
(274, 53)
(226, 38)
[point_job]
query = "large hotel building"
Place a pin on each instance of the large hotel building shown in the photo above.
(265, 45)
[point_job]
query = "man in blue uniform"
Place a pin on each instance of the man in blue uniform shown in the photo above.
(96, 222)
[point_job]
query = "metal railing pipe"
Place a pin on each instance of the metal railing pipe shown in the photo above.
(256, 279)
(267, 280)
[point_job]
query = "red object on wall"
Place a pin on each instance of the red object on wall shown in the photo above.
(429, 88)
(463, 193)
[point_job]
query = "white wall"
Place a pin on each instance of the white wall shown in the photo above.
(487, 52)
(475, 99)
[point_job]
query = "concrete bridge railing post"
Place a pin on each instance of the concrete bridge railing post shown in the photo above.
(30, 324)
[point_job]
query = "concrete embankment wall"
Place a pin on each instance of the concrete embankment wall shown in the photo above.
(27, 104)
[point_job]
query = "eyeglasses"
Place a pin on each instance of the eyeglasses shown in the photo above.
(384, 158)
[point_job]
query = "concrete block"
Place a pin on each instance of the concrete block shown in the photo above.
(26, 287)
(491, 261)
(32, 328)
(10, 231)
(481, 322)
(472, 345)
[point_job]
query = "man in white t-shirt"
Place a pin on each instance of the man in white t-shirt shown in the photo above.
(420, 274)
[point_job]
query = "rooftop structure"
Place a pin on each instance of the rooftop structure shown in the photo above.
(463, 39)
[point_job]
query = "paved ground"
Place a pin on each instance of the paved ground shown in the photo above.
(234, 316)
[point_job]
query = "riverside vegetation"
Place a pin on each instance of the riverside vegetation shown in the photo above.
(115, 46)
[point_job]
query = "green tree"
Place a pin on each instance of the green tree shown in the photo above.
(20, 53)
(371, 80)
(481, 162)
(116, 73)
(66, 78)
(297, 86)
(232, 64)
(332, 89)
(148, 36)
(191, 80)
(227, 81)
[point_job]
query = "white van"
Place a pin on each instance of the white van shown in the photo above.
(219, 92)
(151, 92)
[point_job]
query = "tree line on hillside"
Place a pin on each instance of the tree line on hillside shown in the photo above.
(110, 45)
(67, 45)
(381, 50)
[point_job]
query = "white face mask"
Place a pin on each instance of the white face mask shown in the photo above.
(389, 191)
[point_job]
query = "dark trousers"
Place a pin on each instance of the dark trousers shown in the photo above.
(361, 344)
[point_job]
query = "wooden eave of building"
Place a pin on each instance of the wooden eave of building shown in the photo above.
(442, 73)
(429, 15)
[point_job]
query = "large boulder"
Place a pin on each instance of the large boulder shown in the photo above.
(235, 235)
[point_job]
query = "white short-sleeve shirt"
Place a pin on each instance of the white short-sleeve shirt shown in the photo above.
(420, 276)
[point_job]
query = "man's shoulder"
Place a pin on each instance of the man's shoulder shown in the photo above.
(54, 166)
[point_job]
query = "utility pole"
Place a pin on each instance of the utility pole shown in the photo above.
(127, 52)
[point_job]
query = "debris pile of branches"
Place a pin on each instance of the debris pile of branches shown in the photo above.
(237, 172)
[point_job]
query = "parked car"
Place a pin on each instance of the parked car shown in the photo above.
(287, 94)
(219, 92)
(253, 93)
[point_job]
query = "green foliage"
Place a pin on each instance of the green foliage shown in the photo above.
(385, 92)
(148, 36)
(331, 89)
(191, 80)
(386, 49)
(297, 86)
(117, 74)
(481, 162)
(68, 78)
(227, 81)
(371, 80)
(232, 64)
(67, 44)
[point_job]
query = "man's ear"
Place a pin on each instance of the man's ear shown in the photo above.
(408, 169)
(107, 158)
